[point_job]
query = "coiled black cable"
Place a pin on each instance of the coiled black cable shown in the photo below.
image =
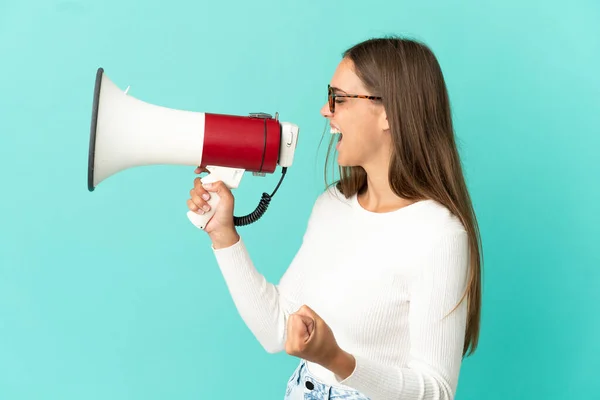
(263, 204)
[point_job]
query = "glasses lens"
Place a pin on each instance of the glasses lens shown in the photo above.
(330, 98)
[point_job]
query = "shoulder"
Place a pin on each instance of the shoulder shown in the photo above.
(331, 198)
(329, 207)
(436, 217)
(443, 229)
(432, 224)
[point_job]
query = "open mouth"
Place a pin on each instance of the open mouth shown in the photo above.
(335, 131)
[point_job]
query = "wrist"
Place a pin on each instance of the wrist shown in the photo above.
(225, 238)
(342, 364)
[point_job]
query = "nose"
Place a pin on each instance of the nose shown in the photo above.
(325, 110)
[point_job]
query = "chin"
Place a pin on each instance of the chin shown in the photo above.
(344, 162)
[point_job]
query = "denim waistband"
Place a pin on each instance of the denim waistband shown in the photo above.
(315, 389)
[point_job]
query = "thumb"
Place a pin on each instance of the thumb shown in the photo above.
(217, 187)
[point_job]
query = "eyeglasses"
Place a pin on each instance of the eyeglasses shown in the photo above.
(332, 96)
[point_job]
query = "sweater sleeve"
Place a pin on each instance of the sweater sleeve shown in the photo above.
(436, 335)
(263, 306)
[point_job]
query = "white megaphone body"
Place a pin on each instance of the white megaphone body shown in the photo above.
(127, 132)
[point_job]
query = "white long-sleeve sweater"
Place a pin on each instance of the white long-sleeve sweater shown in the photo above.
(384, 282)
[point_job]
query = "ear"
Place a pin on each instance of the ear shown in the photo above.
(384, 124)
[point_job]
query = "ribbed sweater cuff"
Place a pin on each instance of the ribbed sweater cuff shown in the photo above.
(383, 382)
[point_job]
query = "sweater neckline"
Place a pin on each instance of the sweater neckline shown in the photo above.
(402, 210)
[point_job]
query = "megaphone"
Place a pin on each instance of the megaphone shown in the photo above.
(126, 132)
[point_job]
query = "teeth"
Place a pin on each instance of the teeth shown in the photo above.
(335, 131)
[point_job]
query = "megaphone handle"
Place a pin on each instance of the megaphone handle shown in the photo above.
(201, 220)
(230, 177)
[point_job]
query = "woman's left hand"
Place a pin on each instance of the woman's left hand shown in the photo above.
(310, 338)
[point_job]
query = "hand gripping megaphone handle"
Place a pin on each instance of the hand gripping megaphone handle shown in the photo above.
(231, 177)
(201, 220)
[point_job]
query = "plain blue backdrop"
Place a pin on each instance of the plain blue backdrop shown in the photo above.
(115, 295)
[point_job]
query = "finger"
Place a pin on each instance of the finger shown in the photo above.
(193, 207)
(200, 194)
(295, 324)
(200, 190)
(198, 200)
(295, 333)
(302, 327)
(308, 327)
(198, 182)
(200, 169)
(198, 205)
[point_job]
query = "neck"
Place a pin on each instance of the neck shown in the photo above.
(379, 196)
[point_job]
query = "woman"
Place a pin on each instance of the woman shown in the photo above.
(382, 300)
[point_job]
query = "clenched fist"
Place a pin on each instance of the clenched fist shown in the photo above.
(310, 338)
(221, 227)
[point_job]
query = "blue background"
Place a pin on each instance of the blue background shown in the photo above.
(114, 295)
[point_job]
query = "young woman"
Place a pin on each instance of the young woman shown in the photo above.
(382, 300)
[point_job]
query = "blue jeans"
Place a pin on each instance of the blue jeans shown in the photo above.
(304, 386)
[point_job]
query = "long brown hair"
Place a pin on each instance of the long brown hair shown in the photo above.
(425, 161)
